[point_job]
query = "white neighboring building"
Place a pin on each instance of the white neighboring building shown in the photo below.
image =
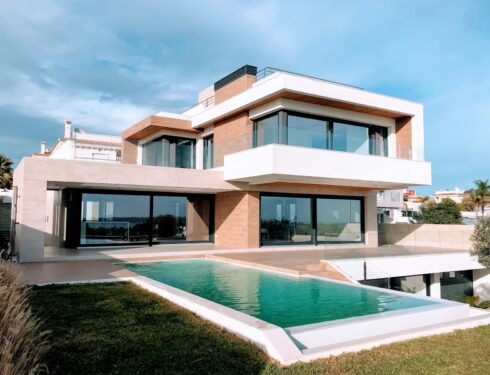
(5, 212)
(455, 195)
(390, 206)
(79, 145)
(397, 206)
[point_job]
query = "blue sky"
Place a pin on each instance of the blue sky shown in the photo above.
(107, 64)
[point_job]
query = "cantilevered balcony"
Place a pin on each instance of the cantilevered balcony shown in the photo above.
(291, 164)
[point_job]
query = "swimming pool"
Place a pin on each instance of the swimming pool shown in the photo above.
(282, 300)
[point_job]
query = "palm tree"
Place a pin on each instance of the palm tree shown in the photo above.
(6, 172)
(480, 194)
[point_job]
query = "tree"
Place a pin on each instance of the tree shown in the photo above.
(480, 194)
(481, 241)
(446, 212)
(468, 203)
(6, 172)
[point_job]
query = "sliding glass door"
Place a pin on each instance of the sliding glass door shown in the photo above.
(310, 219)
(121, 219)
(114, 219)
(285, 220)
(338, 220)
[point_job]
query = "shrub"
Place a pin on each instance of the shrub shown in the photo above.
(474, 301)
(446, 212)
(481, 241)
(22, 342)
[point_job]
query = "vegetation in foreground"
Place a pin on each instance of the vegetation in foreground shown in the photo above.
(22, 342)
(121, 329)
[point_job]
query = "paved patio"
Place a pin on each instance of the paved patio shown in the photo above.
(66, 265)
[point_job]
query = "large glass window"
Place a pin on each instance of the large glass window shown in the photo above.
(455, 285)
(170, 151)
(114, 219)
(416, 284)
(306, 132)
(267, 130)
(378, 141)
(339, 220)
(179, 218)
(118, 219)
(285, 219)
(298, 129)
(292, 219)
(350, 138)
(208, 149)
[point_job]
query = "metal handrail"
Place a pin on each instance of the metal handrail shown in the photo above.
(267, 71)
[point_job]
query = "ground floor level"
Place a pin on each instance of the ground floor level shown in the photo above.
(284, 215)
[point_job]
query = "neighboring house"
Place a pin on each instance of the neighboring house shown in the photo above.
(5, 212)
(79, 145)
(397, 206)
(75, 145)
(390, 206)
(271, 159)
(455, 195)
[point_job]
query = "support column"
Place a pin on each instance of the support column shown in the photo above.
(371, 219)
(435, 285)
(29, 216)
(237, 219)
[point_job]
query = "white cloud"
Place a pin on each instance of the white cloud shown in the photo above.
(86, 108)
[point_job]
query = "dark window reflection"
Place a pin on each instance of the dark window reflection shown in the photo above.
(114, 219)
(118, 219)
(307, 132)
(457, 284)
(208, 152)
(339, 220)
(285, 219)
(350, 138)
(170, 151)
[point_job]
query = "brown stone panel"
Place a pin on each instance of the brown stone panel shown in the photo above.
(237, 219)
(233, 88)
(153, 124)
(197, 219)
(129, 152)
(232, 135)
(404, 137)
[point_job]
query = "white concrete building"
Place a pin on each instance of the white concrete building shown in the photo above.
(455, 195)
(79, 145)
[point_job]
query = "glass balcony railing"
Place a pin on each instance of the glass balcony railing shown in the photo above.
(268, 71)
(242, 142)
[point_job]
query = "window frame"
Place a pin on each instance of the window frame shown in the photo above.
(281, 137)
(169, 137)
(314, 217)
(205, 146)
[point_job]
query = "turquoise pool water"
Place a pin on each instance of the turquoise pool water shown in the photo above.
(282, 300)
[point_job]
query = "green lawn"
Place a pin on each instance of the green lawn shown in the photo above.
(121, 329)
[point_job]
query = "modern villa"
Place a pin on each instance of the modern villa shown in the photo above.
(271, 170)
(265, 158)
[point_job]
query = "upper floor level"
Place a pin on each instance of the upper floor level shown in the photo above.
(275, 126)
